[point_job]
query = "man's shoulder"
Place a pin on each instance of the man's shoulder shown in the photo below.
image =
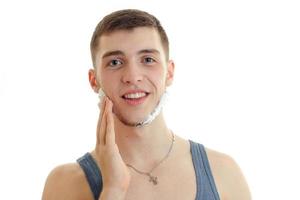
(228, 176)
(66, 181)
(219, 157)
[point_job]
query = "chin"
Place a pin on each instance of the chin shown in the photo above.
(131, 120)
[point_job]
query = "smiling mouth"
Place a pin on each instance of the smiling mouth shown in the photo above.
(135, 98)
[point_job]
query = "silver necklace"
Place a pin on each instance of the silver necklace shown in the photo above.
(152, 178)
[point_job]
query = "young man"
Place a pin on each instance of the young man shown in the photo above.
(136, 155)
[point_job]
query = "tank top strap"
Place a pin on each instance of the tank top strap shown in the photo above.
(206, 188)
(92, 173)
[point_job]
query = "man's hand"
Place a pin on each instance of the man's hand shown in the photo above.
(115, 174)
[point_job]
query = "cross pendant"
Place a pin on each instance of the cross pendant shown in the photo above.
(153, 179)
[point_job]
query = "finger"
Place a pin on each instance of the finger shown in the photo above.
(101, 126)
(101, 104)
(110, 133)
(102, 109)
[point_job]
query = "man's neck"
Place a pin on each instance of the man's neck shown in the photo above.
(144, 146)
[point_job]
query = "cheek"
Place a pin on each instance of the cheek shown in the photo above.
(108, 85)
(159, 78)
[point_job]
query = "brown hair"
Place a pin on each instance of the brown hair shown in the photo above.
(127, 19)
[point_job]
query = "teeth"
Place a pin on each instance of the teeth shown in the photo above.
(135, 95)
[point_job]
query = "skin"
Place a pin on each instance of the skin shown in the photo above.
(139, 66)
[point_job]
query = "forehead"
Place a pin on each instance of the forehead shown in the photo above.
(130, 41)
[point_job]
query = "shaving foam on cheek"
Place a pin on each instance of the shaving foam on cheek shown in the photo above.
(101, 94)
(155, 112)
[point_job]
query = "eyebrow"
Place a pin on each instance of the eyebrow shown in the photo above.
(118, 52)
(113, 53)
(148, 51)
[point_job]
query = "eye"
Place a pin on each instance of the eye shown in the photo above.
(148, 60)
(115, 63)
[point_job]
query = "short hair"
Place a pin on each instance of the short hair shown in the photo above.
(127, 19)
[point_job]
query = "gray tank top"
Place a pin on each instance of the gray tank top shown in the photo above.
(206, 188)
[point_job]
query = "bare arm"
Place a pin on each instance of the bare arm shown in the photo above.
(66, 182)
(230, 181)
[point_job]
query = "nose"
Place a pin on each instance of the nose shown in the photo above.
(132, 74)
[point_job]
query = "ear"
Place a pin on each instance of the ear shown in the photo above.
(93, 80)
(170, 72)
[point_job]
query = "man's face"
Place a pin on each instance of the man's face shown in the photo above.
(132, 70)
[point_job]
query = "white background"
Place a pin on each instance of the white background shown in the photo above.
(236, 89)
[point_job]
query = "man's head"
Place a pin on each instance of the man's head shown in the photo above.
(131, 65)
(126, 20)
